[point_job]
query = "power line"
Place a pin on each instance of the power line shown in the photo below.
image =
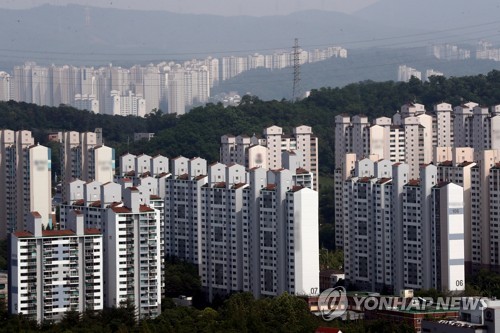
(215, 52)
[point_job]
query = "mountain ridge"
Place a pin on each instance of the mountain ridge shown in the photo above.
(75, 33)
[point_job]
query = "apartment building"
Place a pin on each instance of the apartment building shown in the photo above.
(134, 167)
(400, 232)
(405, 73)
(84, 157)
(25, 180)
(413, 132)
(5, 86)
(55, 271)
(131, 222)
(125, 104)
(267, 151)
(252, 230)
(133, 257)
(413, 136)
(86, 102)
(183, 208)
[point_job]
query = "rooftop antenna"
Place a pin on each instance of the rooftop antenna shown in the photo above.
(296, 70)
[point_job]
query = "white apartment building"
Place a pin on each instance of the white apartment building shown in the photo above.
(84, 158)
(411, 137)
(134, 261)
(54, 271)
(86, 102)
(151, 88)
(405, 73)
(232, 66)
(114, 90)
(183, 208)
(432, 72)
(247, 230)
(5, 86)
(448, 230)
(176, 90)
(25, 180)
(127, 104)
(267, 151)
(402, 233)
(449, 52)
(63, 82)
(136, 167)
(197, 85)
(131, 222)
(477, 175)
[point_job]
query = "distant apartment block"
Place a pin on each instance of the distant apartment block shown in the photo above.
(449, 52)
(430, 72)
(235, 65)
(86, 102)
(274, 150)
(128, 104)
(485, 51)
(138, 90)
(405, 73)
(5, 86)
(25, 180)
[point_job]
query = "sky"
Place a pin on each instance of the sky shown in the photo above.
(216, 7)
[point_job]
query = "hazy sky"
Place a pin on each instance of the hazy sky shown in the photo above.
(218, 7)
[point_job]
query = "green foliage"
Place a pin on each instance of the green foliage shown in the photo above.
(181, 278)
(3, 254)
(331, 259)
(485, 282)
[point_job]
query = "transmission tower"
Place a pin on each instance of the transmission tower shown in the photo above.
(296, 70)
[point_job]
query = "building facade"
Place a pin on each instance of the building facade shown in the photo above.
(55, 271)
(267, 152)
(252, 230)
(402, 233)
(25, 177)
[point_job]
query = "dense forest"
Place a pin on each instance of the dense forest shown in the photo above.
(198, 132)
(238, 314)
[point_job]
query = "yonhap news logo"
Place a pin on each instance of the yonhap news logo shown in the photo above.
(332, 303)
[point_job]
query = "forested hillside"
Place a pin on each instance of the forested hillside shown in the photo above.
(198, 132)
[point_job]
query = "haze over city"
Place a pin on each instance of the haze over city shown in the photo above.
(214, 7)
